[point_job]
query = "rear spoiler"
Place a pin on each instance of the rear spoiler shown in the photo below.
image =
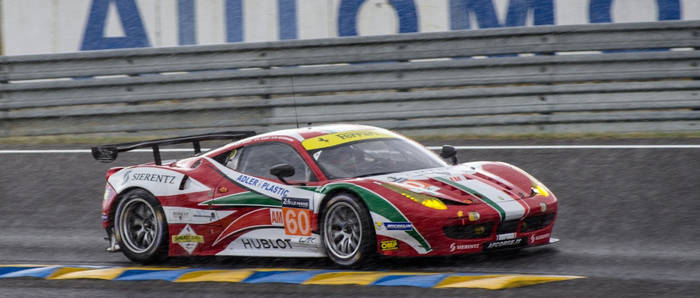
(108, 153)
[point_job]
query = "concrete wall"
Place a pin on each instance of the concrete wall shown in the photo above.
(53, 26)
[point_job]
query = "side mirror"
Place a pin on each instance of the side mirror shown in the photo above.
(281, 171)
(449, 152)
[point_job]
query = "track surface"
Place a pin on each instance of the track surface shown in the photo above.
(628, 220)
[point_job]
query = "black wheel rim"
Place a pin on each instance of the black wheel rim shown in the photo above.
(138, 225)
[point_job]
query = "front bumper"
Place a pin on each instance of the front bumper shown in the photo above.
(459, 235)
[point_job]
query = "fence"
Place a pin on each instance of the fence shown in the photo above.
(545, 79)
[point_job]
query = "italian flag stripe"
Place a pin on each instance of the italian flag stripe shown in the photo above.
(482, 197)
(381, 206)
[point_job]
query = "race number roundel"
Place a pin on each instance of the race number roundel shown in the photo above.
(297, 221)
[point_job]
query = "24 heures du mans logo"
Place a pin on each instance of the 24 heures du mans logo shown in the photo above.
(295, 203)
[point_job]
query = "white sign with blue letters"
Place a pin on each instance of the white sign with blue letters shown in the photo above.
(40, 26)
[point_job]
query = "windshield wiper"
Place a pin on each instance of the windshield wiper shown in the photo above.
(375, 174)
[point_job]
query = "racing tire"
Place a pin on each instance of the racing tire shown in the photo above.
(347, 231)
(140, 227)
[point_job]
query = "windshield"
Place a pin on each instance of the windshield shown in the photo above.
(373, 157)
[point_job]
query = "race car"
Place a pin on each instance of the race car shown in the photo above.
(347, 192)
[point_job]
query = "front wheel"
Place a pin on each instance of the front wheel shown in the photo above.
(141, 228)
(346, 231)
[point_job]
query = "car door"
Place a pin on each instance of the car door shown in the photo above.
(273, 218)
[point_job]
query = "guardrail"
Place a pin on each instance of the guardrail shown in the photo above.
(551, 79)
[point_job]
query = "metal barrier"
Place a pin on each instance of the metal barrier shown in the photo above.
(545, 79)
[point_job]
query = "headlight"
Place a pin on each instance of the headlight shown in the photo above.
(540, 190)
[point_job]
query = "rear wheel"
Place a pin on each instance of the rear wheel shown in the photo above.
(140, 227)
(347, 232)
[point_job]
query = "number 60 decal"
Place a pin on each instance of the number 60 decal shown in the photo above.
(297, 221)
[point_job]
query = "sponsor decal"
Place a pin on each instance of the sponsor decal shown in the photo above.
(543, 206)
(264, 187)
(271, 242)
(209, 215)
(158, 178)
(335, 139)
(274, 189)
(504, 243)
(188, 239)
(358, 134)
(193, 216)
(534, 238)
(398, 226)
(180, 215)
(389, 244)
(455, 246)
(126, 177)
(255, 243)
(395, 179)
(295, 203)
(307, 240)
(186, 214)
(505, 236)
(247, 180)
(276, 217)
(160, 182)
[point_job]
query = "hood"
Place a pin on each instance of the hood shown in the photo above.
(497, 184)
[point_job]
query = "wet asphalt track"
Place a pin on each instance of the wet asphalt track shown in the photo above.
(628, 221)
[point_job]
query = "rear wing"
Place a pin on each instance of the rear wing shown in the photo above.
(108, 153)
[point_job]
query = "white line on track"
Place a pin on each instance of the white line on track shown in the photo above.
(86, 151)
(697, 146)
(573, 147)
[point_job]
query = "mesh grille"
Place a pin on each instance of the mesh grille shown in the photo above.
(508, 226)
(474, 231)
(537, 222)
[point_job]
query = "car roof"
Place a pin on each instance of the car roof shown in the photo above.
(305, 133)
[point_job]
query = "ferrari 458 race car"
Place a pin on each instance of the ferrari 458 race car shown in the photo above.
(347, 192)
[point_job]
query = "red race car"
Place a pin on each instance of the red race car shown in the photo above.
(347, 192)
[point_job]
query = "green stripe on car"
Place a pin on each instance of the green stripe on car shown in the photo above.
(379, 205)
(244, 199)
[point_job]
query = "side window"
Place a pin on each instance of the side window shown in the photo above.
(258, 159)
(232, 159)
